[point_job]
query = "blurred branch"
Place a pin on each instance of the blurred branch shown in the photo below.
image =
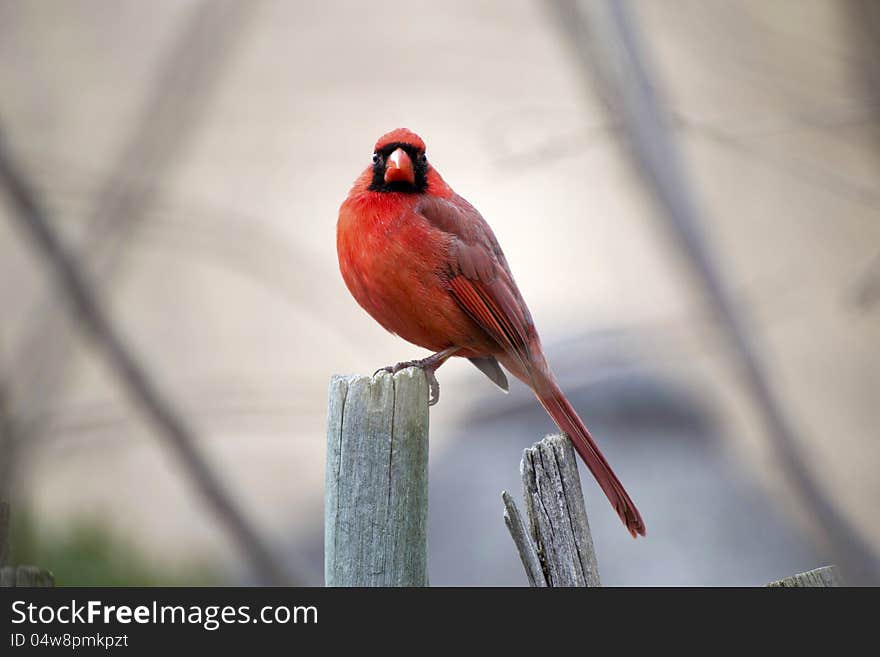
(866, 291)
(188, 76)
(4, 532)
(609, 50)
(5, 466)
(821, 175)
(187, 79)
(169, 423)
(7, 445)
(200, 232)
(864, 19)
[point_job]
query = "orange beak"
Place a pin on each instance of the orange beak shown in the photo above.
(399, 168)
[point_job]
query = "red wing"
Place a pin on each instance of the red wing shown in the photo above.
(479, 278)
(485, 305)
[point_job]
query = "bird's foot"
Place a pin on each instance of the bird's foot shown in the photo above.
(428, 365)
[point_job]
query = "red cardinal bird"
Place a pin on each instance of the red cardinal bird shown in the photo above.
(423, 262)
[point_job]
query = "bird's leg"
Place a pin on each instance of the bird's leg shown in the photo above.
(428, 365)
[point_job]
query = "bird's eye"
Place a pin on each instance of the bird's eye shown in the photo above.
(375, 158)
(424, 158)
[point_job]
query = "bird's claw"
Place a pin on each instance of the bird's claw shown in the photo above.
(427, 367)
(394, 369)
(433, 386)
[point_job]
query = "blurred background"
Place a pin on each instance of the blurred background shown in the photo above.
(687, 193)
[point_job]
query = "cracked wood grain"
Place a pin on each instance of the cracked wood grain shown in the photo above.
(528, 553)
(557, 550)
(376, 494)
(826, 576)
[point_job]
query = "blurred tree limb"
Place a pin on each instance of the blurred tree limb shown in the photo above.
(609, 51)
(187, 77)
(864, 16)
(95, 322)
(866, 291)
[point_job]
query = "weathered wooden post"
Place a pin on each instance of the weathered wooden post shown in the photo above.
(826, 576)
(376, 495)
(556, 548)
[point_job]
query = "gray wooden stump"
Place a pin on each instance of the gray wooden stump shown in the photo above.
(20, 576)
(826, 576)
(376, 495)
(556, 548)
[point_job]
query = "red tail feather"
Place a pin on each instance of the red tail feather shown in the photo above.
(565, 417)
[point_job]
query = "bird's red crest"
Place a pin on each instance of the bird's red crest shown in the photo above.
(400, 136)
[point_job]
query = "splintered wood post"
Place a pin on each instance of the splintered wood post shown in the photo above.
(528, 553)
(376, 495)
(826, 576)
(557, 548)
